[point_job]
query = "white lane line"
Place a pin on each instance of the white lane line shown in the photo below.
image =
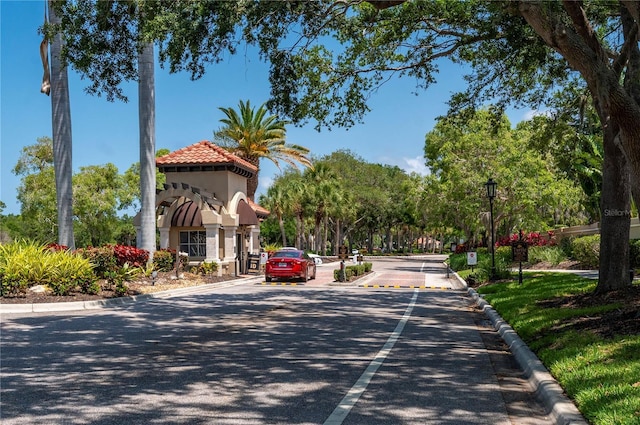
(340, 413)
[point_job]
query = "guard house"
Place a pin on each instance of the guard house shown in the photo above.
(203, 209)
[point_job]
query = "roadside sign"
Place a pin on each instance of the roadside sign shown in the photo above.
(253, 263)
(264, 256)
(472, 258)
(520, 251)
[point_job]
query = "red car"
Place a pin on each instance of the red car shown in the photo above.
(290, 264)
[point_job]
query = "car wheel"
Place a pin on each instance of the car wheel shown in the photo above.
(313, 276)
(305, 278)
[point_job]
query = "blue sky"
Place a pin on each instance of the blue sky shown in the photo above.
(187, 111)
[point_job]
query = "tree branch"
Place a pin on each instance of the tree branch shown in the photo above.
(583, 27)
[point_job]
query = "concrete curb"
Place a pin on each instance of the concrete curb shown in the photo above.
(96, 304)
(547, 389)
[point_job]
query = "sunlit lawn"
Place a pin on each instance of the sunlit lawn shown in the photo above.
(601, 375)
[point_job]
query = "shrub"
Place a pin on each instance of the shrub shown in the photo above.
(352, 271)
(634, 253)
(586, 250)
(207, 268)
(566, 244)
(69, 272)
(129, 254)
(482, 272)
(553, 255)
(24, 264)
(531, 238)
(102, 258)
(458, 262)
(164, 260)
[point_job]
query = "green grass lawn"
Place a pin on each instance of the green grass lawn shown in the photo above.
(578, 339)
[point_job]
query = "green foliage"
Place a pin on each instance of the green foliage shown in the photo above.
(634, 253)
(207, 268)
(566, 244)
(553, 255)
(69, 272)
(482, 271)
(271, 247)
(586, 250)
(119, 276)
(458, 262)
(102, 258)
(352, 271)
(99, 193)
(164, 260)
(25, 263)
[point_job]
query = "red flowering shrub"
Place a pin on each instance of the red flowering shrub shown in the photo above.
(57, 247)
(532, 239)
(131, 255)
(461, 249)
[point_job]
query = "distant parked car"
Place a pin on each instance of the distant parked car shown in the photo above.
(290, 264)
(316, 258)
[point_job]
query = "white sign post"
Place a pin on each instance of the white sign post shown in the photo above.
(472, 259)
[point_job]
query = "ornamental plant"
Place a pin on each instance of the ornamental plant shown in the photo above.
(24, 264)
(531, 238)
(135, 257)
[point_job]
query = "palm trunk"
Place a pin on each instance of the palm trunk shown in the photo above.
(62, 142)
(282, 230)
(147, 117)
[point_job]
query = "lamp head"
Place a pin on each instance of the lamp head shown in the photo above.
(491, 188)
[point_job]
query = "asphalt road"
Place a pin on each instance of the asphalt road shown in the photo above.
(258, 354)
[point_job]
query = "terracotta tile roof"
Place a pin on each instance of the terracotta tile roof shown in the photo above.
(203, 153)
(260, 211)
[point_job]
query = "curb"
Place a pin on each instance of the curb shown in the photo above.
(546, 388)
(96, 304)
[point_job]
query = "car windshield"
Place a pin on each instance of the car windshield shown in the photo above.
(287, 254)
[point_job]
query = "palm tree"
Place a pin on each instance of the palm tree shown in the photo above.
(276, 202)
(253, 135)
(147, 118)
(61, 122)
(325, 192)
(296, 202)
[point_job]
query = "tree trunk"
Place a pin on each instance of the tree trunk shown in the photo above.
(619, 115)
(282, 230)
(62, 142)
(147, 118)
(252, 182)
(325, 236)
(615, 217)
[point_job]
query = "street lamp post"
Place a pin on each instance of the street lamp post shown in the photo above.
(491, 193)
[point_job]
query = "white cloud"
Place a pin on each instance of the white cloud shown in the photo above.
(265, 182)
(530, 114)
(415, 165)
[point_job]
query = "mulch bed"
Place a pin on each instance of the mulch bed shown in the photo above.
(624, 320)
